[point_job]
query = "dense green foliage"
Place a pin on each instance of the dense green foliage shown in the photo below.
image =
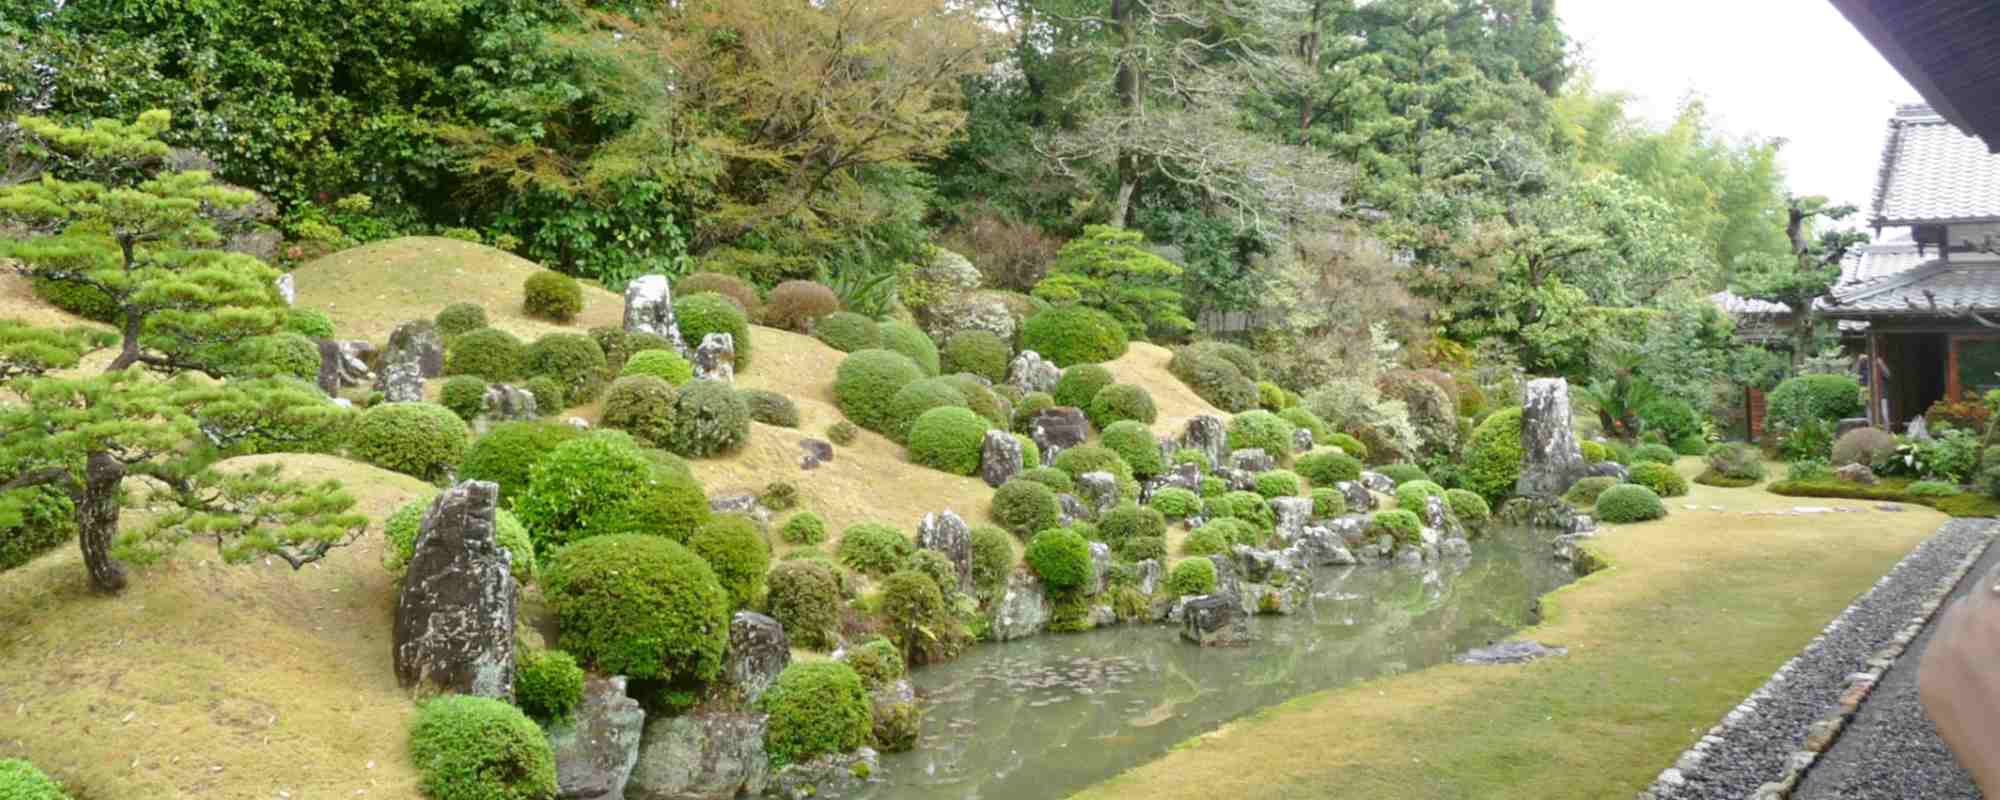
(547, 684)
(1412, 495)
(508, 453)
(1129, 520)
(602, 483)
(1276, 483)
(1191, 576)
(1403, 526)
(1061, 558)
(1175, 502)
(1403, 473)
(406, 522)
(1327, 467)
(666, 365)
(465, 395)
(814, 707)
(734, 548)
(1080, 383)
(1653, 454)
(1470, 508)
(978, 352)
(460, 318)
(710, 419)
(1134, 443)
(641, 405)
(1493, 455)
(909, 340)
(1214, 377)
(641, 606)
(1262, 430)
(1627, 502)
(1074, 334)
(949, 439)
(476, 748)
(805, 528)
(552, 296)
(1328, 503)
(572, 358)
(804, 597)
(1026, 506)
(913, 400)
(1120, 402)
(702, 314)
(421, 439)
(1082, 459)
(489, 353)
(1660, 478)
(866, 382)
(20, 780)
(873, 548)
(847, 332)
(1586, 490)
(992, 560)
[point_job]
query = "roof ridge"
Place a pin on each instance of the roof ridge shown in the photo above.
(1891, 145)
(1867, 289)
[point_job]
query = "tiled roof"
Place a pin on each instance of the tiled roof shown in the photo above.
(1734, 304)
(1967, 282)
(1866, 265)
(1934, 173)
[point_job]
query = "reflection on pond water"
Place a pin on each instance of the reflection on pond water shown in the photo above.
(1046, 716)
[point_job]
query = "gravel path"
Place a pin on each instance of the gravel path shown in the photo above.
(1890, 749)
(1752, 745)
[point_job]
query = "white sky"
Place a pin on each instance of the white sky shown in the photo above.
(1789, 68)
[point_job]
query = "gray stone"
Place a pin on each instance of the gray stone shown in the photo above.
(455, 615)
(1454, 547)
(1849, 424)
(1150, 573)
(1515, 652)
(578, 423)
(704, 755)
(1437, 516)
(1023, 610)
(649, 308)
(1180, 476)
(505, 402)
(416, 341)
(1609, 469)
(1856, 474)
(816, 452)
(1293, 513)
(343, 364)
(1073, 509)
(1302, 440)
(833, 775)
(1546, 513)
(288, 290)
(1252, 460)
(1551, 459)
(715, 359)
(1208, 434)
(1032, 373)
(1918, 430)
(401, 382)
(596, 747)
(1321, 547)
(1228, 576)
(745, 504)
(1057, 429)
(948, 533)
(1378, 482)
(1214, 620)
(1000, 458)
(758, 651)
(1239, 480)
(1100, 568)
(1359, 499)
(1099, 490)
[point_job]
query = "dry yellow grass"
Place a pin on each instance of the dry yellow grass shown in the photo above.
(213, 681)
(1146, 365)
(369, 290)
(1696, 612)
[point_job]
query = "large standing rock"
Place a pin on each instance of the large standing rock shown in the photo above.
(1378, 482)
(1208, 434)
(1437, 516)
(1321, 547)
(1252, 460)
(947, 533)
(1358, 496)
(701, 756)
(455, 616)
(1073, 509)
(1609, 469)
(417, 341)
(1000, 458)
(1099, 490)
(1023, 610)
(831, 775)
(343, 363)
(288, 290)
(505, 402)
(758, 651)
(715, 359)
(1550, 457)
(1030, 372)
(1057, 429)
(1302, 440)
(596, 747)
(649, 308)
(1180, 476)
(1293, 513)
(1100, 568)
(1214, 620)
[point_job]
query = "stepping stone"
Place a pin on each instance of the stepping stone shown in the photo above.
(1516, 652)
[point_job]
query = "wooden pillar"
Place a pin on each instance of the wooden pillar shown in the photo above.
(1952, 388)
(1875, 381)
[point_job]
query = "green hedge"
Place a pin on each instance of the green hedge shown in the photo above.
(489, 353)
(913, 400)
(425, 440)
(1493, 456)
(949, 439)
(1061, 558)
(1068, 335)
(641, 606)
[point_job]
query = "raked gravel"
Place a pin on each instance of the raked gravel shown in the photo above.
(1758, 741)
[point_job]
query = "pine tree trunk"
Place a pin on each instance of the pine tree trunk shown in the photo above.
(97, 521)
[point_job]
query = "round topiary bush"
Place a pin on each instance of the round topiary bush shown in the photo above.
(641, 606)
(913, 400)
(1191, 576)
(1121, 402)
(710, 418)
(867, 381)
(1348, 445)
(1403, 526)
(980, 398)
(548, 684)
(1328, 467)
(279, 355)
(979, 352)
(666, 365)
(1412, 496)
(1128, 521)
(1660, 478)
(643, 406)
(1249, 507)
(873, 548)
(588, 486)
(847, 332)
(949, 439)
(1207, 540)
(1328, 503)
(1404, 473)
(1213, 378)
(478, 748)
(699, 315)
(814, 708)
(1061, 558)
(1025, 506)
(459, 318)
(1277, 483)
(877, 661)
(550, 396)
(1493, 455)
(571, 358)
(804, 597)
(907, 339)
(1262, 430)
(992, 560)
(1175, 502)
(1654, 454)
(921, 621)
(1048, 476)
(1810, 399)
(465, 395)
(772, 408)
(805, 528)
(401, 528)
(1080, 383)
(489, 353)
(936, 566)
(1737, 461)
(842, 433)
(552, 296)
(1271, 397)
(1142, 548)
(1585, 491)
(1087, 458)
(20, 780)
(1470, 508)
(1074, 334)
(795, 305)
(1593, 452)
(425, 440)
(735, 290)
(1627, 502)
(735, 550)
(508, 452)
(1134, 442)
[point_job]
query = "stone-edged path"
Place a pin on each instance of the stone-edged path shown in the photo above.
(1765, 739)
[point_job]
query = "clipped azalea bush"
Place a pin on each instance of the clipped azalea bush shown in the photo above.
(641, 405)
(1080, 383)
(1329, 503)
(1214, 378)
(992, 560)
(873, 548)
(641, 606)
(847, 332)
(867, 381)
(911, 341)
(814, 708)
(1654, 454)
(1276, 483)
(1025, 506)
(979, 352)
(1401, 525)
(1493, 456)
(478, 748)
(1470, 508)
(1061, 558)
(548, 684)
(455, 319)
(949, 440)
(1304, 419)
(1129, 520)
(1660, 478)
(699, 315)
(1412, 495)
(489, 353)
(1628, 502)
(424, 440)
(509, 452)
(1074, 334)
(1176, 502)
(465, 395)
(913, 400)
(735, 550)
(710, 419)
(797, 305)
(804, 597)
(1191, 576)
(571, 358)
(735, 290)
(552, 296)
(1134, 443)
(1585, 491)
(805, 528)
(666, 365)
(1327, 467)
(772, 408)
(1083, 459)
(588, 486)
(1121, 402)
(1262, 430)
(1028, 406)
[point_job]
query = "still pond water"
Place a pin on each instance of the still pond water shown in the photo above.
(1050, 715)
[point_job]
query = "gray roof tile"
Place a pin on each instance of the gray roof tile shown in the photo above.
(1934, 173)
(1971, 283)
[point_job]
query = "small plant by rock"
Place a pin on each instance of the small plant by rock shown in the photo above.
(1191, 576)
(476, 748)
(548, 684)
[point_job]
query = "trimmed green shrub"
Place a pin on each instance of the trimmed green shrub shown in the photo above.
(1270, 396)
(1048, 476)
(552, 296)
(873, 548)
(1241, 531)
(317, 325)
(1737, 461)
(1134, 442)
(1617, 452)
(1141, 548)
(548, 684)
(1328, 467)
(1672, 417)
(1586, 490)
(1412, 495)
(1129, 520)
(46, 521)
(1097, 458)
(1493, 455)
(979, 397)
(913, 400)
(1242, 358)
(1120, 402)
(1031, 404)
(1404, 473)
(992, 560)
(1403, 526)
(737, 291)
(600, 484)
(402, 526)
(509, 451)
(1212, 486)
(978, 352)
(573, 359)
(935, 566)
(1189, 455)
(1813, 399)
(465, 395)
(877, 661)
(1933, 489)
(771, 408)
(699, 315)
(735, 550)
(1303, 418)
(489, 353)
(641, 606)
(1660, 478)
(795, 305)
(1627, 502)
(847, 332)
(1277, 483)
(1328, 503)
(842, 433)
(1080, 383)
(457, 318)
(1654, 454)
(643, 406)
(814, 708)
(1031, 455)
(425, 440)
(1693, 444)
(1191, 576)
(921, 621)
(666, 365)
(1061, 558)
(1593, 452)
(1213, 378)
(279, 355)
(20, 780)
(1470, 508)
(710, 418)
(867, 381)
(1176, 502)
(805, 528)
(912, 342)
(478, 748)
(1250, 507)
(1025, 505)
(1347, 444)
(949, 440)
(1263, 430)
(804, 597)
(550, 396)
(1074, 334)
(1207, 540)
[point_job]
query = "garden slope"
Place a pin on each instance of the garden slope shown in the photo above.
(370, 289)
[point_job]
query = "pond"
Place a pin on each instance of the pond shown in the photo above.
(1050, 715)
